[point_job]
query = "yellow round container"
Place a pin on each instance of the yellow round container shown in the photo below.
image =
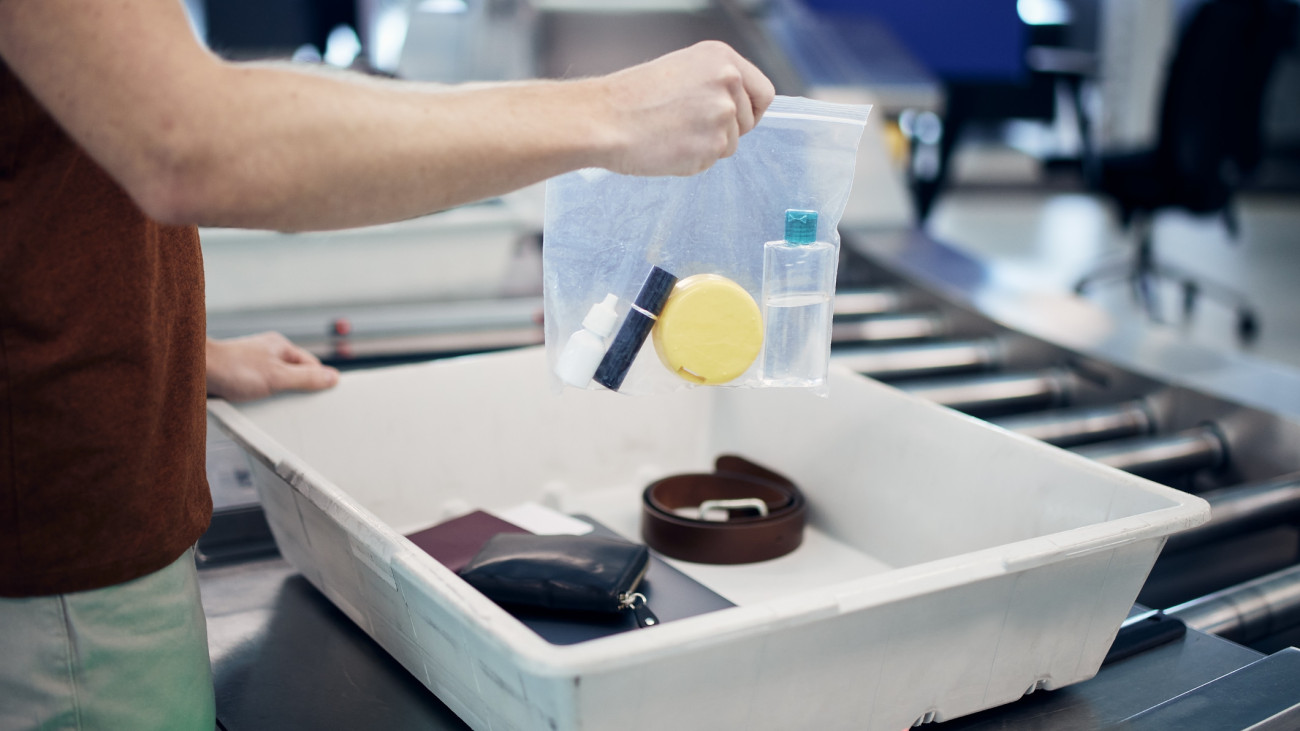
(709, 331)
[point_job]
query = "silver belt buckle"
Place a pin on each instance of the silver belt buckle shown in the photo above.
(719, 511)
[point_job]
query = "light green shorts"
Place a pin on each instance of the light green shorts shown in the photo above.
(132, 656)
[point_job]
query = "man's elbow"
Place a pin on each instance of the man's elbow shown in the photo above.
(172, 191)
(186, 185)
(166, 202)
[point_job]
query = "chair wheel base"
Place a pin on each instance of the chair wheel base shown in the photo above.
(1247, 325)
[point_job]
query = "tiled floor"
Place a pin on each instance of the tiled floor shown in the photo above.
(1045, 240)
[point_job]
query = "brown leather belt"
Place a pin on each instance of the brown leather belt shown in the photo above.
(741, 513)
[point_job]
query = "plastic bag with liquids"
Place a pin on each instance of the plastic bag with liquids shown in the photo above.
(725, 278)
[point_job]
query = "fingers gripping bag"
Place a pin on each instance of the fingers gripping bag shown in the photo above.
(725, 278)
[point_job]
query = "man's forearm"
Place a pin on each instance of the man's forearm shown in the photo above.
(304, 151)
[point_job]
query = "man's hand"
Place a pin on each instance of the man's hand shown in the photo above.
(678, 114)
(243, 369)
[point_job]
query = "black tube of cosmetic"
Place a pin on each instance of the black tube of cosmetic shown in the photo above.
(636, 328)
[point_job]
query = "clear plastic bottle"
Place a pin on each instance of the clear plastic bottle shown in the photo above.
(582, 353)
(798, 286)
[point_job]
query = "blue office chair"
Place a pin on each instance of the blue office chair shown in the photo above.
(1209, 143)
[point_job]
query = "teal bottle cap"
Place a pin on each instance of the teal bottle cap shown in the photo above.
(800, 226)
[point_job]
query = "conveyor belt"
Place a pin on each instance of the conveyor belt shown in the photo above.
(1160, 456)
(1247, 612)
(1075, 427)
(873, 301)
(925, 359)
(1242, 509)
(999, 392)
(881, 328)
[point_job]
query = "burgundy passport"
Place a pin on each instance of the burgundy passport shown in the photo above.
(457, 540)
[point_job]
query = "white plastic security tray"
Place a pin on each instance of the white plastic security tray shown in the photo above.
(949, 566)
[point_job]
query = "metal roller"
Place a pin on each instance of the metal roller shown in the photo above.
(870, 301)
(1187, 451)
(1247, 612)
(999, 392)
(905, 361)
(1072, 427)
(910, 326)
(1243, 509)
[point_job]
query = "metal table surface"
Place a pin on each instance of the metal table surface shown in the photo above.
(284, 657)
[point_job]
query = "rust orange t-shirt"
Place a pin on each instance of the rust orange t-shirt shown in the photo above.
(102, 442)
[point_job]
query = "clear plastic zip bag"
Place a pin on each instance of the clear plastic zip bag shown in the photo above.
(725, 278)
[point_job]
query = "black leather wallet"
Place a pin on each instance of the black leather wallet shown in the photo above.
(563, 573)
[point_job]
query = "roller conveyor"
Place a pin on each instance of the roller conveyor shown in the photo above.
(1074, 427)
(925, 359)
(871, 301)
(1001, 392)
(1243, 509)
(886, 327)
(1247, 612)
(1162, 456)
